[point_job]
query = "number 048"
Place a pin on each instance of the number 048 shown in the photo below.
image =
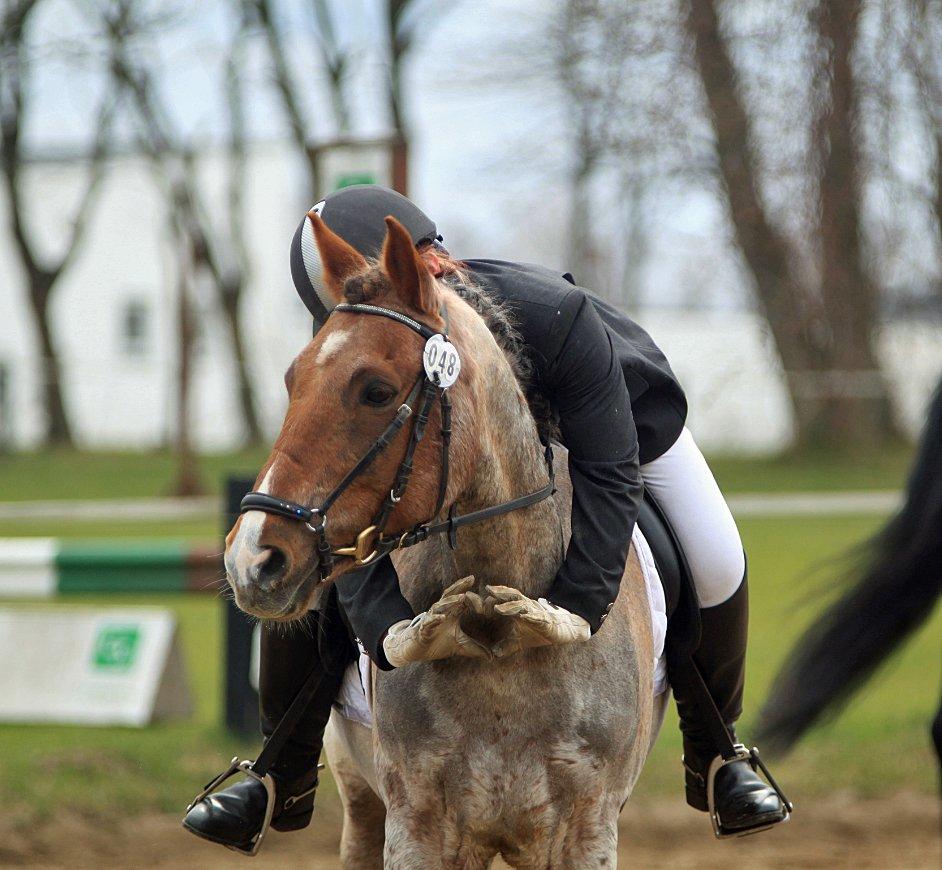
(442, 363)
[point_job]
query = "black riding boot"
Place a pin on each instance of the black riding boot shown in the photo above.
(742, 801)
(234, 816)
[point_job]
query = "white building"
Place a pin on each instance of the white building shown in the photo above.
(114, 317)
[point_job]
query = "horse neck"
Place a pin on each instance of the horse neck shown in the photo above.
(522, 548)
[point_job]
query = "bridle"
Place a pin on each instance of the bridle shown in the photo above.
(372, 543)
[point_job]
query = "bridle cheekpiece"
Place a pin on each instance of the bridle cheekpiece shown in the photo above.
(440, 369)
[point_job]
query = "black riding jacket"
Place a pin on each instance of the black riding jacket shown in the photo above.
(619, 405)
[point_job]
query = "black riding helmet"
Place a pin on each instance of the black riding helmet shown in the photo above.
(357, 215)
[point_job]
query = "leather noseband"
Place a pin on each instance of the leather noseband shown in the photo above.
(372, 543)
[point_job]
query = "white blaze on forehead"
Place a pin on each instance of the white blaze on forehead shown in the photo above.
(331, 345)
(245, 550)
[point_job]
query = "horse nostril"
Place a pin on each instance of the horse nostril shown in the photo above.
(273, 568)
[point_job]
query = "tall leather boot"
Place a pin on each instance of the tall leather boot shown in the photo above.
(234, 816)
(741, 799)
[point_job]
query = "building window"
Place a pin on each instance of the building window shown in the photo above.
(134, 328)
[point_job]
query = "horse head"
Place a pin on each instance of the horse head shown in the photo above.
(344, 389)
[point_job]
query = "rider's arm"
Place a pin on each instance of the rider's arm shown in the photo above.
(587, 386)
(372, 600)
(588, 389)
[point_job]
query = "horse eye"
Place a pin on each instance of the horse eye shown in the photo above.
(378, 395)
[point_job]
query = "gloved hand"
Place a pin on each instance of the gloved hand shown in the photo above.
(535, 622)
(436, 633)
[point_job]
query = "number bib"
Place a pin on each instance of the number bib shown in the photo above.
(441, 361)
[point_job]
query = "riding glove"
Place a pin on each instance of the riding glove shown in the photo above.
(436, 633)
(534, 622)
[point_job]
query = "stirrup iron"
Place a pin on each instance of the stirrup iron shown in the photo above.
(244, 766)
(757, 764)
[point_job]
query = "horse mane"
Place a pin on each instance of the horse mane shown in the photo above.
(898, 579)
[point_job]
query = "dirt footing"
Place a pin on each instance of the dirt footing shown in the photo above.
(901, 832)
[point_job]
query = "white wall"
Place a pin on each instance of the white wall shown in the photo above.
(735, 384)
(117, 400)
(725, 359)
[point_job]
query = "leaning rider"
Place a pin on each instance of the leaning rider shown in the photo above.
(587, 357)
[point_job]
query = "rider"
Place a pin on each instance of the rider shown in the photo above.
(621, 415)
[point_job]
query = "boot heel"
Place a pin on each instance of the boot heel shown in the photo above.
(297, 812)
(695, 788)
(696, 795)
(294, 821)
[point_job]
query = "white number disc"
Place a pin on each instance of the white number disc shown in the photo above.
(441, 360)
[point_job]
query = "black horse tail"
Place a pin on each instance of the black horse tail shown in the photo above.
(902, 577)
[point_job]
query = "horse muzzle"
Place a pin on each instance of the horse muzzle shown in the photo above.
(270, 584)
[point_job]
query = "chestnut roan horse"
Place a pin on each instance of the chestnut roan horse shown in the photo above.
(530, 755)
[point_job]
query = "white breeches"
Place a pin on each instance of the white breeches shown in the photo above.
(684, 487)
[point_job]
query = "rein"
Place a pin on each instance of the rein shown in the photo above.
(439, 372)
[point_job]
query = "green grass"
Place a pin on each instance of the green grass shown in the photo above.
(814, 472)
(879, 745)
(75, 474)
(197, 529)
(881, 742)
(71, 474)
(99, 771)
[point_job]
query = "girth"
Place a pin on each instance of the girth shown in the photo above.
(373, 542)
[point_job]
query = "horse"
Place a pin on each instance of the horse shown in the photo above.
(531, 756)
(899, 581)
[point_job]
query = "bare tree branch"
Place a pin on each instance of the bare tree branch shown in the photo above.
(178, 170)
(299, 126)
(42, 272)
(335, 62)
(234, 282)
(848, 293)
(96, 174)
(921, 52)
(823, 333)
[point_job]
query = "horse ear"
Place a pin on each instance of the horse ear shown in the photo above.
(407, 271)
(339, 260)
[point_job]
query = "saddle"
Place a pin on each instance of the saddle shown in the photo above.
(683, 607)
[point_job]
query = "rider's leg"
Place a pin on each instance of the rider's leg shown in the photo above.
(234, 816)
(686, 491)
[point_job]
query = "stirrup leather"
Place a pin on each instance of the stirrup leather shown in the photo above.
(756, 763)
(245, 766)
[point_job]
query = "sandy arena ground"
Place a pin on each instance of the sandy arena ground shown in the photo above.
(900, 832)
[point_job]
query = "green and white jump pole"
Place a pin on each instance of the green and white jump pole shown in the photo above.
(49, 567)
(33, 568)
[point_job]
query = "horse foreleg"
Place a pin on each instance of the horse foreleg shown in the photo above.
(364, 814)
(591, 838)
(418, 838)
(364, 819)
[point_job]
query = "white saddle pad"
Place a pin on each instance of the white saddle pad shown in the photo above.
(354, 700)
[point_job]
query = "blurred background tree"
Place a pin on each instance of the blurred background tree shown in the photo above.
(324, 50)
(823, 319)
(41, 270)
(795, 117)
(804, 135)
